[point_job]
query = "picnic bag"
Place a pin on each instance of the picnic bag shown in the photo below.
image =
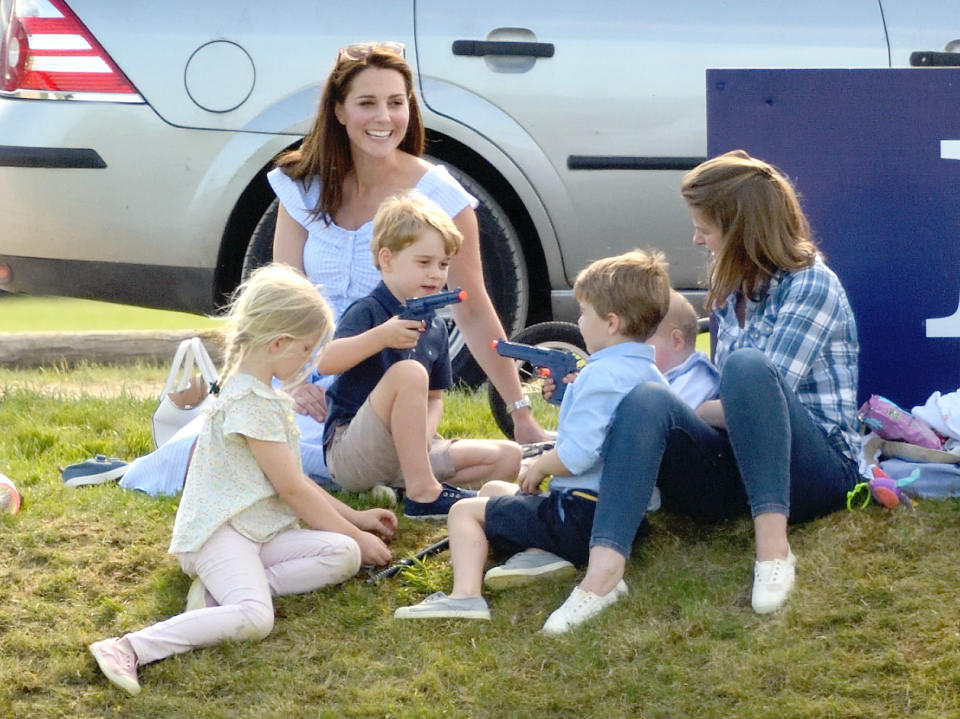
(891, 422)
(185, 395)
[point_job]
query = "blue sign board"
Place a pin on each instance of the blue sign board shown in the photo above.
(875, 155)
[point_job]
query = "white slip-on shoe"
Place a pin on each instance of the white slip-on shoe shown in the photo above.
(581, 606)
(772, 582)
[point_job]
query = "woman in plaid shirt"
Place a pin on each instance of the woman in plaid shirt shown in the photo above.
(781, 441)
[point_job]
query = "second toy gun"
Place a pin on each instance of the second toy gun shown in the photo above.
(550, 363)
(425, 308)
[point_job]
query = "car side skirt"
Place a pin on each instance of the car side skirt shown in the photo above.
(187, 289)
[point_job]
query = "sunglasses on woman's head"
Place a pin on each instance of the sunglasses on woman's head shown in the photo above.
(360, 50)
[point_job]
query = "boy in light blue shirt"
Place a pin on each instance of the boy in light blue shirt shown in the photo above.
(622, 301)
(691, 375)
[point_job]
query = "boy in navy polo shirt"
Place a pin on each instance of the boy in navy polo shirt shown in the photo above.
(622, 301)
(386, 404)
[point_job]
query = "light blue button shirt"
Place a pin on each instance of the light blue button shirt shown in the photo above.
(695, 380)
(588, 407)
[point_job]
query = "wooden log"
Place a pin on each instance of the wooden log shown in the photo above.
(33, 349)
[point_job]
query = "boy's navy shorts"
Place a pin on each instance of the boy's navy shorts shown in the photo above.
(560, 523)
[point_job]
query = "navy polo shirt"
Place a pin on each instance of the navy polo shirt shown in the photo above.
(351, 388)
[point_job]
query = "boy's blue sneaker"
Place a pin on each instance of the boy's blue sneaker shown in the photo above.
(440, 606)
(98, 470)
(438, 508)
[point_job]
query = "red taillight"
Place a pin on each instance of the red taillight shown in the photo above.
(46, 49)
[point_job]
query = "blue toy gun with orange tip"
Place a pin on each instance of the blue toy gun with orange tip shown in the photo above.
(550, 363)
(424, 309)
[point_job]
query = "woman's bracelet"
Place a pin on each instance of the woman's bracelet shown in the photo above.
(519, 404)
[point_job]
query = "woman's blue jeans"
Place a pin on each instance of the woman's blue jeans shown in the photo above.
(772, 458)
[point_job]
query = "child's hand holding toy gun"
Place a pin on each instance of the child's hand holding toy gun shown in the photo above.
(555, 364)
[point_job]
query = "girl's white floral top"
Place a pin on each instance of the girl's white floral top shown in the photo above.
(224, 482)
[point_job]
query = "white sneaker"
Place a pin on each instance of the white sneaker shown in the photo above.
(772, 583)
(581, 606)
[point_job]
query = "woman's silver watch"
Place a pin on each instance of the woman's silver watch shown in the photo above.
(519, 404)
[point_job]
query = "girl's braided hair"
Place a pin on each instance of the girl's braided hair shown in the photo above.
(274, 301)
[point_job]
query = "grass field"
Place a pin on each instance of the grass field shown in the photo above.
(872, 630)
(24, 313)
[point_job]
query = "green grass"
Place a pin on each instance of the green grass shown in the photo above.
(871, 631)
(24, 313)
(703, 342)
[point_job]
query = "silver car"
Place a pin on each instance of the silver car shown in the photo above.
(135, 137)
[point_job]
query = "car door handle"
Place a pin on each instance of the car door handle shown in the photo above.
(481, 48)
(931, 58)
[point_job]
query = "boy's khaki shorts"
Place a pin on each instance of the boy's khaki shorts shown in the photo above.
(361, 454)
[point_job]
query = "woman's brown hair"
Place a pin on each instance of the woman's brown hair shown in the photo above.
(760, 218)
(325, 151)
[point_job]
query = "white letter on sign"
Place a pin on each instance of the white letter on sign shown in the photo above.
(946, 326)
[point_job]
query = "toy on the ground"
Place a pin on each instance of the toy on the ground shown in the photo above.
(409, 561)
(883, 488)
(9, 496)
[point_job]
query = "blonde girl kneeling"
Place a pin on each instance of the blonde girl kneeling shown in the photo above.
(237, 527)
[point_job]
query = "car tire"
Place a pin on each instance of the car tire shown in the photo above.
(552, 335)
(260, 248)
(504, 273)
(504, 268)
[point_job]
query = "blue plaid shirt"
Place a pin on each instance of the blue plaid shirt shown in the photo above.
(805, 326)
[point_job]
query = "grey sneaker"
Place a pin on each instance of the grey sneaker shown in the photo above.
(439, 606)
(528, 566)
(581, 606)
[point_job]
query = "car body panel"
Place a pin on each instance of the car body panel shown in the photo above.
(162, 202)
(153, 47)
(625, 83)
(513, 153)
(596, 98)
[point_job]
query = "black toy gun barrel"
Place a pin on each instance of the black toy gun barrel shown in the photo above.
(424, 308)
(409, 561)
(552, 363)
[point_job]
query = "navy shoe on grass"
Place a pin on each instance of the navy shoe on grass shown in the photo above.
(99, 470)
(438, 508)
